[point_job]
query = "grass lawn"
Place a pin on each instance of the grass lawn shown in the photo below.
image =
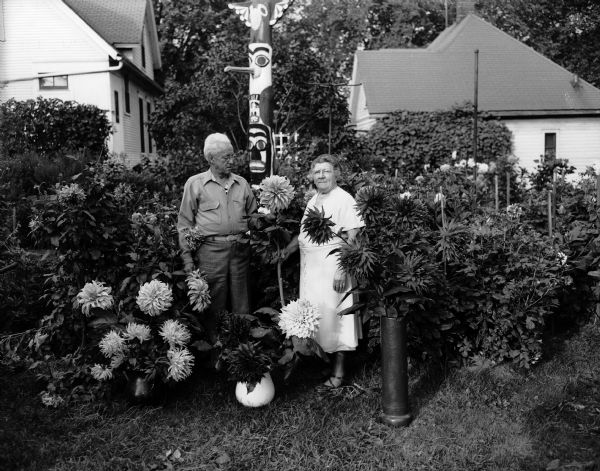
(487, 419)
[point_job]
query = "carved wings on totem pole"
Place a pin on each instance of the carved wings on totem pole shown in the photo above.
(260, 15)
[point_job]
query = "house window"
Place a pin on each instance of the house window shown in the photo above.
(143, 56)
(117, 111)
(142, 133)
(127, 105)
(58, 82)
(549, 146)
(148, 111)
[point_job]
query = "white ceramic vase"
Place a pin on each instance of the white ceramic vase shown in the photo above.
(261, 395)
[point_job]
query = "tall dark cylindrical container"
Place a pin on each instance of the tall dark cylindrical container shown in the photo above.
(394, 398)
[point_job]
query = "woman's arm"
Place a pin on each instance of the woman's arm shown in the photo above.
(290, 248)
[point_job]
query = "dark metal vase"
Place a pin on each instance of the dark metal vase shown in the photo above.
(394, 399)
(140, 389)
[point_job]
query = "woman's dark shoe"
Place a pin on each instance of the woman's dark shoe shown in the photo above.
(334, 382)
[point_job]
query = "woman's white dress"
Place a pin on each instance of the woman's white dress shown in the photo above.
(317, 269)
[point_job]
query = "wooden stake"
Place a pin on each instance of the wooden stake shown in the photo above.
(496, 196)
(550, 213)
(598, 190)
(554, 195)
(507, 189)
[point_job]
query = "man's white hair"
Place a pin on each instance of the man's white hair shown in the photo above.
(217, 143)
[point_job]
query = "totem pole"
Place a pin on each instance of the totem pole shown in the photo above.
(260, 15)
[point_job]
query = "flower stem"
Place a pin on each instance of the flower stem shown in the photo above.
(280, 282)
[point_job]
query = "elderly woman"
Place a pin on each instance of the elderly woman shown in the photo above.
(322, 282)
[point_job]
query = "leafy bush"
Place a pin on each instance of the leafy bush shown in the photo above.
(507, 281)
(409, 140)
(48, 126)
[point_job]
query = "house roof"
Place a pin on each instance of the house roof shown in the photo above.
(513, 79)
(117, 21)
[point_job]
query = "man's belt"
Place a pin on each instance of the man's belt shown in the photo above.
(224, 238)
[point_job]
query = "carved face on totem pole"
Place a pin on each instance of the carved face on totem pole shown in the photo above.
(260, 15)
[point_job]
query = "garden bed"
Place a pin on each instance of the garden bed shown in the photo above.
(487, 419)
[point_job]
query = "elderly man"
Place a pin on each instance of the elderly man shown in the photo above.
(216, 203)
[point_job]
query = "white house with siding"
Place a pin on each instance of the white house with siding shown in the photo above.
(549, 110)
(99, 52)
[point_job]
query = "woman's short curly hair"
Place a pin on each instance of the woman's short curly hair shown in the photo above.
(326, 158)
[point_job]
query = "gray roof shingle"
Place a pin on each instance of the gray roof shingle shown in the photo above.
(513, 78)
(117, 21)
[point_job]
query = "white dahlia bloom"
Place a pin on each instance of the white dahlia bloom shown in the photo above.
(198, 291)
(112, 344)
(181, 362)
(70, 193)
(137, 331)
(117, 360)
(154, 297)
(175, 333)
(52, 400)
(93, 294)
(482, 167)
(562, 258)
(299, 318)
(276, 193)
(101, 373)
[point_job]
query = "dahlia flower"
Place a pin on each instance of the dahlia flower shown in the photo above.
(276, 193)
(514, 211)
(299, 318)
(93, 294)
(482, 167)
(112, 344)
(181, 362)
(562, 258)
(123, 191)
(445, 167)
(370, 201)
(72, 193)
(198, 291)
(317, 226)
(174, 333)
(101, 373)
(51, 400)
(117, 360)
(193, 237)
(154, 297)
(35, 223)
(137, 331)
(406, 194)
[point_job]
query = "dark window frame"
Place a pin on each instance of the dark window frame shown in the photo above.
(148, 111)
(117, 110)
(127, 96)
(550, 139)
(142, 133)
(54, 86)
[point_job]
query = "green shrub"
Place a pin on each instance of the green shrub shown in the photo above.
(49, 126)
(409, 140)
